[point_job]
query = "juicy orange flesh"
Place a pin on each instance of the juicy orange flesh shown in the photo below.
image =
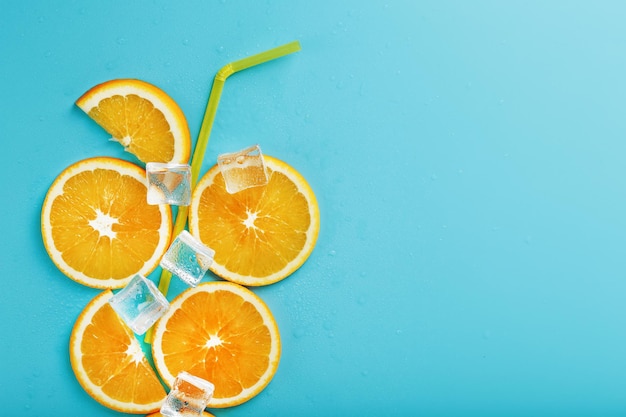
(257, 231)
(120, 200)
(220, 337)
(105, 344)
(134, 117)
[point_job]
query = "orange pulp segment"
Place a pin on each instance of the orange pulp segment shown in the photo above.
(141, 117)
(98, 227)
(109, 363)
(220, 332)
(262, 234)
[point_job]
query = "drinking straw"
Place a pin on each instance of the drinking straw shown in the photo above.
(205, 131)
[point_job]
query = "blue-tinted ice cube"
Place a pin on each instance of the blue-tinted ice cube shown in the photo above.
(188, 397)
(168, 183)
(243, 169)
(188, 258)
(140, 304)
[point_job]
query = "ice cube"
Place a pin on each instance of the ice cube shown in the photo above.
(243, 169)
(140, 304)
(168, 183)
(188, 258)
(188, 397)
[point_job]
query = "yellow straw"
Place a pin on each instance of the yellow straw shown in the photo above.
(205, 131)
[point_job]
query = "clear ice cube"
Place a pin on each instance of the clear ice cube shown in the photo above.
(168, 183)
(140, 304)
(243, 169)
(188, 397)
(188, 258)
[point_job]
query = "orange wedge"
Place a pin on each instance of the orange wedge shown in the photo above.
(140, 116)
(109, 363)
(98, 227)
(262, 234)
(223, 333)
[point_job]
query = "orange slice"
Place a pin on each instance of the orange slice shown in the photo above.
(262, 234)
(98, 227)
(109, 363)
(221, 332)
(140, 116)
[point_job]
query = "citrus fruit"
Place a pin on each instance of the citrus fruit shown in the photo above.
(109, 363)
(261, 234)
(220, 332)
(140, 116)
(97, 225)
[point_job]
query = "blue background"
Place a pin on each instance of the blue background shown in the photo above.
(468, 158)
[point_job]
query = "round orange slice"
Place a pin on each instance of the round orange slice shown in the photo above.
(109, 363)
(97, 226)
(262, 234)
(220, 332)
(142, 117)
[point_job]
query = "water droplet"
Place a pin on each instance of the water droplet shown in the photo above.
(361, 300)
(219, 49)
(185, 42)
(365, 372)
(299, 333)
(121, 41)
(433, 177)
(332, 253)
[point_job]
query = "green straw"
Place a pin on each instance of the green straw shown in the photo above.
(205, 131)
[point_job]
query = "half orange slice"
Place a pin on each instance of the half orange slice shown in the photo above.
(142, 117)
